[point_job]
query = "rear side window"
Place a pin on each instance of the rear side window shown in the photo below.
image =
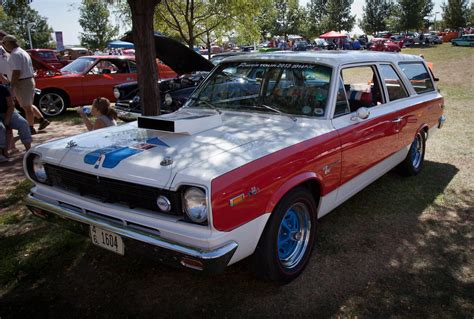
(418, 76)
(393, 83)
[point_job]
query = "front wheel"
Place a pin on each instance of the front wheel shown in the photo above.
(286, 244)
(52, 103)
(413, 163)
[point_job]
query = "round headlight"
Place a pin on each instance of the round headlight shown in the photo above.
(163, 203)
(168, 99)
(195, 204)
(116, 93)
(39, 170)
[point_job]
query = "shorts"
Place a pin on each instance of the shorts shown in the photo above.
(25, 92)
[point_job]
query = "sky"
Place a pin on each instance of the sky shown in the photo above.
(63, 15)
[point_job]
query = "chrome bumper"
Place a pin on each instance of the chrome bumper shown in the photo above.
(166, 251)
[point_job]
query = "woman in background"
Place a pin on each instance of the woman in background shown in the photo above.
(103, 112)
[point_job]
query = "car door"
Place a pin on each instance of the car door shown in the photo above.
(365, 142)
(101, 78)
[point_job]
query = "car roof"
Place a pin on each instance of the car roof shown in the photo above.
(333, 58)
(128, 57)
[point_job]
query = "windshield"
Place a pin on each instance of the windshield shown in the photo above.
(290, 88)
(77, 66)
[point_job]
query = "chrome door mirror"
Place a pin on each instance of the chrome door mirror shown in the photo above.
(361, 114)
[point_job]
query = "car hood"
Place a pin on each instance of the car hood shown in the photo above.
(177, 56)
(150, 157)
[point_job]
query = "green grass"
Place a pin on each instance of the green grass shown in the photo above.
(70, 115)
(16, 195)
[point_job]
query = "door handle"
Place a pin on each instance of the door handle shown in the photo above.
(397, 120)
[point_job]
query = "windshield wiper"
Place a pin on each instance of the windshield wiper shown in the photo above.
(271, 108)
(212, 106)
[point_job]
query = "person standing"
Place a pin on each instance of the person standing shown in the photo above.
(22, 81)
(10, 119)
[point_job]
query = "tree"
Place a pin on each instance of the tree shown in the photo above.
(413, 13)
(142, 12)
(197, 20)
(288, 16)
(456, 13)
(94, 20)
(316, 13)
(16, 17)
(376, 13)
(338, 15)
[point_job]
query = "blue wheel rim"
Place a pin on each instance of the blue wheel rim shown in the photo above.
(417, 151)
(293, 235)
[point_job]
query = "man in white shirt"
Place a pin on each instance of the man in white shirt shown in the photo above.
(22, 81)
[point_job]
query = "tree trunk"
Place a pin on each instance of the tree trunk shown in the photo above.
(142, 31)
(208, 43)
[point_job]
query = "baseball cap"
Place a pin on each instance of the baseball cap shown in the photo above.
(9, 38)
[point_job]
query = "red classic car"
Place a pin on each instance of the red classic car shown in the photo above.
(47, 56)
(378, 44)
(86, 78)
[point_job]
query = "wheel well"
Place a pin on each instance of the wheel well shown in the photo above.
(55, 90)
(314, 188)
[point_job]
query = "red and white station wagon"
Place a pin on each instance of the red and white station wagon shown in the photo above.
(265, 146)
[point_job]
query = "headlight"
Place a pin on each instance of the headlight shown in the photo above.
(116, 93)
(36, 168)
(168, 99)
(195, 204)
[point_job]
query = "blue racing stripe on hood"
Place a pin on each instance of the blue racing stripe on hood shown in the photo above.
(113, 155)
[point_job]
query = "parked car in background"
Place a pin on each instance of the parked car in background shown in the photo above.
(379, 44)
(86, 78)
(174, 91)
(323, 44)
(70, 54)
(47, 56)
(435, 38)
(467, 40)
(265, 146)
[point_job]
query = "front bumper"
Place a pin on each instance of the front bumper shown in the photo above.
(137, 241)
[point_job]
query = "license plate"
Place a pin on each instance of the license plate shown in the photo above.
(107, 240)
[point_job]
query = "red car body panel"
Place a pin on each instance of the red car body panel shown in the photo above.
(81, 89)
(349, 151)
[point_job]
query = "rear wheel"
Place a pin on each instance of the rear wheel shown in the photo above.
(413, 163)
(286, 244)
(52, 103)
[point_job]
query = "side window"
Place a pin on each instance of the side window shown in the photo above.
(342, 107)
(418, 76)
(393, 83)
(110, 67)
(133, 66)
(362, 87)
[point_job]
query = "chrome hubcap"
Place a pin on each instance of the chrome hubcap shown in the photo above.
(417, 150)
(293, 235)
(51, 104)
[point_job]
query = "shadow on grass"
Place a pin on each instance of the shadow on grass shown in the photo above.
(398, 248)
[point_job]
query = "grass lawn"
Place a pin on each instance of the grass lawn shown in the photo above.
(403, 247)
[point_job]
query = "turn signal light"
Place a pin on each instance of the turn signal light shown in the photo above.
(192, 263)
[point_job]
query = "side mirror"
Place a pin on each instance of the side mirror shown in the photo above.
(362, 113)
(436, 79)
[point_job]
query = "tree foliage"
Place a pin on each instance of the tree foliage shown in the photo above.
(456, 13)
(375, 16)
(338, 16)
(413, 13)
(197, 20)
(315, 15)
(287, 19)
(94, 20)
(15, 18)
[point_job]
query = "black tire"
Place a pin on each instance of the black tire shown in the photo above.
(269, 259)
(415, 159)
(52, 102)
